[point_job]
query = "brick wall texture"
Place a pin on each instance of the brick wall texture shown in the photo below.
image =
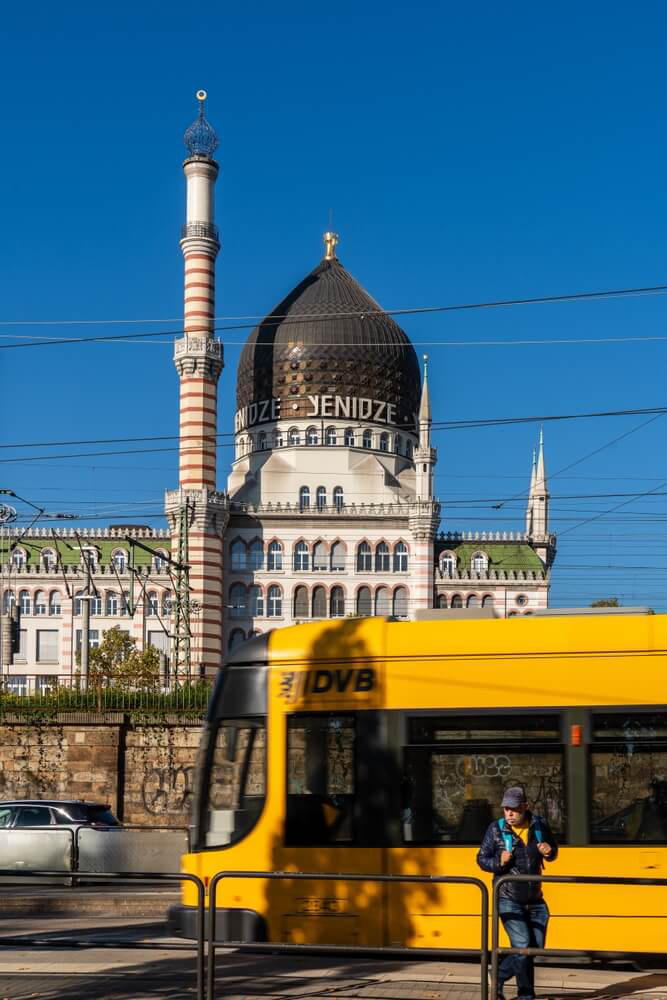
(145, 771)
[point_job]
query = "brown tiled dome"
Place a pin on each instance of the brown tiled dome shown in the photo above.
(329, 337)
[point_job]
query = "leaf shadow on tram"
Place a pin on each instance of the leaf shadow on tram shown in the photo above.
(343, 815)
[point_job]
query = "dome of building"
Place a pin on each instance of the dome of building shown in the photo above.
(329, 338)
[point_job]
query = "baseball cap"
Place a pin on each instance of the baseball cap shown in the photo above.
(514, 797)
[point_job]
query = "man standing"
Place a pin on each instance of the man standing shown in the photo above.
(517, 844)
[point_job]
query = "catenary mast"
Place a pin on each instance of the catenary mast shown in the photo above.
(196, 512)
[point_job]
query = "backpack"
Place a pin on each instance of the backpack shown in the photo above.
(506, 833)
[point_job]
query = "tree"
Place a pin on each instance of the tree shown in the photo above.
(117, 661)
(606, 602)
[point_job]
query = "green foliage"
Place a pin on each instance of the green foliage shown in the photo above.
(117, 662)
(606, 602)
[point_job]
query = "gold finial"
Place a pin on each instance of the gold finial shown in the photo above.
(330, 243)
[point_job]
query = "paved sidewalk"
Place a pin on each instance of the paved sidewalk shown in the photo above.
(167, 970)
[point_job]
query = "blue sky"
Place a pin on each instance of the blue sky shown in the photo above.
(466, 152)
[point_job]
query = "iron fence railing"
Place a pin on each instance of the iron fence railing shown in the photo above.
(352, 949)
(67, 693)
(497, 951)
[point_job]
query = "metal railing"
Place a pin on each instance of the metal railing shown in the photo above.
(342, 876)
(496, 950)
(143, 878)
(66, 693)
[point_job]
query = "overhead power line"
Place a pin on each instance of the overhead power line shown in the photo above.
(286, 319)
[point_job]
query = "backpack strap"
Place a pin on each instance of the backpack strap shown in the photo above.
(506, 834)
(539, 835)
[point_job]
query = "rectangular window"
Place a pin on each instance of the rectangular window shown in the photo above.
(160, 640)
(17, 684)
(628, 764)
(456, 769)
(21, 648)
(321, 782)
(47, 645)
(93, 639)
(237, 780)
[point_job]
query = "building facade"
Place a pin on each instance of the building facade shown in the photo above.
(329, 509)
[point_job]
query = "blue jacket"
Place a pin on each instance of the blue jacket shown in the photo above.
(525, 860)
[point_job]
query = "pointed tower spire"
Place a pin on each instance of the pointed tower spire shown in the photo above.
(425, 403)
(531, 495)
(425, 455)
(540, 491)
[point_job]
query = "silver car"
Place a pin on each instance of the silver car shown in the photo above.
(16, 814)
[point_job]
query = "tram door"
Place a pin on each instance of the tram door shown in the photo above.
(331, 825)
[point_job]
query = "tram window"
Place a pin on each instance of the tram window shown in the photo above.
(629, 778)
(237, 780)
(321, 765)
(456, 769)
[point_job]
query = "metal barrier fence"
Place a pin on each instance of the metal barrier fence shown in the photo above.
(146, 877)
(85, 850)
(496, 951)
(342, 876)
(24, 693)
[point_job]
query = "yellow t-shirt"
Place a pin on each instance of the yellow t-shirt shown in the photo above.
(522, 831)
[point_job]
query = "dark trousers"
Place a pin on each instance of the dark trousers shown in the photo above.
(526, 926)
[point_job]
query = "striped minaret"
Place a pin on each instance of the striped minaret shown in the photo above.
(199, 361)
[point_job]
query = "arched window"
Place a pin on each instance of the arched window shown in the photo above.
(8, 601)
(382, 602)
(18, 559)
(24, 602)
(479, 562)
(384, 441)
(447, 563)
(367, 439)
(77, 602)
(382, 558)
(40, 602)
(398, 444)
(338, 556)
(294, 437)
(96, 605)
(320, 561)
(275, 602)
(487, 601)
(236, 637)
(457, 601)
(304, 498)
(167, 604)
(111, 603)
(48, 559)
(319, 603)
(400, 609)
(301, 602)
(256, 601)
(160, 562)
(473, 601)
(311, 436)
(261, 441)
(348, 437)
(442, 601)
(256, 554)
(151, 604)
(237, 601)
(279, 442)
(409, 448)
(337, 602)
(275, 556)
(364, 601)
(338, 497)
(364, 558)
(119, 559)
(400, 558)
(239, 554)
(321, 497)
(330, 435)
(301, 556)
(54, 602)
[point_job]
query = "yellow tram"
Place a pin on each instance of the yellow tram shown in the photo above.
(372, 746)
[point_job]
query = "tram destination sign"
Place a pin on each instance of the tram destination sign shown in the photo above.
(347, 407)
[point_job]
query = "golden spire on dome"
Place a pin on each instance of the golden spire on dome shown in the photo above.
(330, 243)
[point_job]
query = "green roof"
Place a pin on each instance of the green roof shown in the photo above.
(70, 553)
(503, 556)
